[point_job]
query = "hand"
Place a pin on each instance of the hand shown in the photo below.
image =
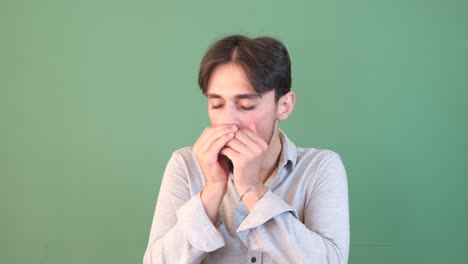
(207, 151)
(247, 152)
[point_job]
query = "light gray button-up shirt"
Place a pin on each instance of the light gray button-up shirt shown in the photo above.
(302, 218)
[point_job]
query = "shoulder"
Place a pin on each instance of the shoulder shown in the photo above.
(320, 156)
(321, 164)
(183, 153)
(307, 157)
(184, 164)
(184, 157)
(323, 170)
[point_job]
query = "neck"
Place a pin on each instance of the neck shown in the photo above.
(272, 156)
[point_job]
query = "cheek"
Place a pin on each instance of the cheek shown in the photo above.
(265, 125)
(260, 121)
(243, 118)
(214, 118)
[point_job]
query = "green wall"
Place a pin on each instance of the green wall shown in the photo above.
(95, 95)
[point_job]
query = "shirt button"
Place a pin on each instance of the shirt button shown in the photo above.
(253, 259)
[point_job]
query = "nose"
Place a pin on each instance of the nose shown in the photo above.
(230, 115)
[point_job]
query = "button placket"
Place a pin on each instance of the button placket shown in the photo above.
(256, 257)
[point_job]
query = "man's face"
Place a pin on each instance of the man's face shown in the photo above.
(233, 100)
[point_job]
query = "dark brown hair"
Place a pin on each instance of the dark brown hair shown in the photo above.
(265, 61)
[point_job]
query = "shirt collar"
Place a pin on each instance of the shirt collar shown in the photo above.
(288, 151)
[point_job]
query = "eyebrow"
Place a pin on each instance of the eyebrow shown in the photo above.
(237, 97)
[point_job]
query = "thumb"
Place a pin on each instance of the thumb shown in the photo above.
(252, 127)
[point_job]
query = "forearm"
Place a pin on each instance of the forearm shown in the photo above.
(320, 236)
(251, 197)
(211, 197)
(181, 231)
(187, 240)
(286, 240)
(173, 247)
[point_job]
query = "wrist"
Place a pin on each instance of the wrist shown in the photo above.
(211, 197)
(242, 186)
(253, 196)
(243, 191)
(216, 188)
(213, 193)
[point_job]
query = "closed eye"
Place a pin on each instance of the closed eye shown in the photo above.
(248, 107)
(216, 106)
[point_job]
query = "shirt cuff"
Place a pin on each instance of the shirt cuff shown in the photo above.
(269, 206)
(201, 233)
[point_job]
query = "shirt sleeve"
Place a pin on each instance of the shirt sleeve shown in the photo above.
(181, 231)
(323, 237)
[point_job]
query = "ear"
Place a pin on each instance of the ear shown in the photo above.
(285, 106)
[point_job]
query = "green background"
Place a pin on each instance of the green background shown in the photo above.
(95, 95)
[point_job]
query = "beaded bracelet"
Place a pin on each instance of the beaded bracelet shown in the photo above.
(251, 187)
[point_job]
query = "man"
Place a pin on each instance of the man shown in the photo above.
(244, 193)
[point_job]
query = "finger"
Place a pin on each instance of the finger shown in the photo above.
(211, 134)
(253, 128)
(220, 143)
(230, 153)
(238, 146)
(247, 138)
(203, 148)
(215, 141)
(216, 131)
(255, 139)
(253, 142)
